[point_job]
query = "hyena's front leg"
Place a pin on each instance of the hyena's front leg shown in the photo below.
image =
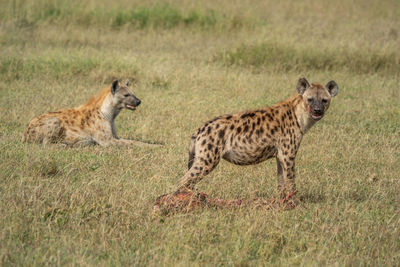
(105, 137)
(106, 141)
(135, 143)
(281, 182)
(286, 163)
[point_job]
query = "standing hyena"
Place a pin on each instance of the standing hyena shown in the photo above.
(91, 123)
(254, 136)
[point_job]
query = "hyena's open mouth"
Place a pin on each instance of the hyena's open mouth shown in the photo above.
(130, 107)
(317, 116)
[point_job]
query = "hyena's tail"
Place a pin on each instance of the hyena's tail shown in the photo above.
(192, 151)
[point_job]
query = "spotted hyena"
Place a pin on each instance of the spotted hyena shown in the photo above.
(252, 137)
(91, 123)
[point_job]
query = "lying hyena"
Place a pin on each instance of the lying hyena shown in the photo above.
(254, 136)
(91, 123)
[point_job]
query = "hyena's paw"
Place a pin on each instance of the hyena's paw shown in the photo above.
(289, 200)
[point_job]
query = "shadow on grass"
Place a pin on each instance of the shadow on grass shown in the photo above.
(312, 197)
(318, 197)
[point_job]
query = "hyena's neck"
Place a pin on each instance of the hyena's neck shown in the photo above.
(108, 110)
(302, 114)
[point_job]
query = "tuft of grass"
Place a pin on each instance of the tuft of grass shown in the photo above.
(45, 167)
(163, 16)
(285, 58)
(157, 16)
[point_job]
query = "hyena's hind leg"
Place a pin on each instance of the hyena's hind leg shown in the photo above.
(192, 151)
(46, 130)
(200, 165)
(197, 171)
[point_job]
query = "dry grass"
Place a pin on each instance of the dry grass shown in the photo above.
(91, 206)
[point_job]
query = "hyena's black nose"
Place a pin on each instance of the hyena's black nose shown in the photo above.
(138, 102)
(318, 110)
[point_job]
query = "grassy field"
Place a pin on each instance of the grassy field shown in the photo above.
(191, 61)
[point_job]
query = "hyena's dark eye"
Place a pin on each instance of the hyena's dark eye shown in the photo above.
(126, 95)
(324, 101)
(309, 100)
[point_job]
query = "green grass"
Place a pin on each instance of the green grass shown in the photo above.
(163, 16)
(190, 62)
(25, 13)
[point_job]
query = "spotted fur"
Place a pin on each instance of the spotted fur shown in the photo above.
(252, 137)
(91, 123)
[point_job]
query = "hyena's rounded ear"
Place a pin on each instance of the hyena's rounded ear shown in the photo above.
(114, 86)
(332, 88)
(302, 86)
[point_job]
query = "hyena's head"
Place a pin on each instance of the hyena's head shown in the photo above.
(316, 98)
(122, 96)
